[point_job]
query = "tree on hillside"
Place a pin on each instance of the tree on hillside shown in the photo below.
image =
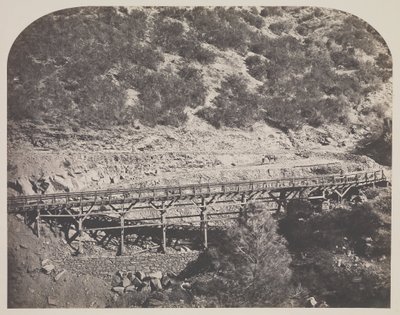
(255, 260)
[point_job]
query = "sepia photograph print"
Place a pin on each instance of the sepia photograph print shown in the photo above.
(199, 157)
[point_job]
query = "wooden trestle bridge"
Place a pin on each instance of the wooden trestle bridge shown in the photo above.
(86, 208)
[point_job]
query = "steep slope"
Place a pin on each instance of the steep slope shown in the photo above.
(117, 65)
(105, 97)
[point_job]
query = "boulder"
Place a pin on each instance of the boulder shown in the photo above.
(166, 282)
(154, 275)
(48, 269)
(126, 282)
(312, 301)
(93, 175)
(61, 184)
(51, 189)
(140, 275)
(40, 185)
(45, 262)
(136, 282)
(130, 275)
(324, 140)
(130, 288)
(26, 186)
(155, 285)
(51, 301)
(116, 281)
(118, 290)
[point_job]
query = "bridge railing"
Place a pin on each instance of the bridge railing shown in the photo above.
(197, 189)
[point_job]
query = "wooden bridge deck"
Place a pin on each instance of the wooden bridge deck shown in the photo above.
(105, 210)
(167, 193)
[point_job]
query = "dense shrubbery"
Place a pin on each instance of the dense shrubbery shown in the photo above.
(319, 237)
(145, 55)
(356, 33)
(252, 18)
(344, 59)
(257, 67)
(271, 11)
(221, 27)
(170, 35)
(229, 108)
(279, 27)
(80, 63)
(328, 229)
(164, 96)
(67, 63)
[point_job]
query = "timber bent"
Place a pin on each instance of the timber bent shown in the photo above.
(118, 209)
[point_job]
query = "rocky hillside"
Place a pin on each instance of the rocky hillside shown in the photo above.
(103, 97)
(48, 159)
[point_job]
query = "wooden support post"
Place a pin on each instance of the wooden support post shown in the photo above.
(163, 228)
(242, 212)
(80, 247)
(38, 222)
(80, 227)
(282, 201)
(164, 231)
(122, 217)
(205, 218)
(122, 245)
(204, 223)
